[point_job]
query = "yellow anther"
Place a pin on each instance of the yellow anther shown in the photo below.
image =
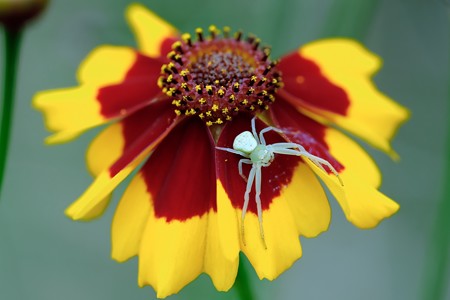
(160, 82)
(236, 109)
(208, 113)
(274, 80)
(232, 97)
(253, 78)
(177, 112)
(216, 81)
(236, 86)
(245, 102)
(215, 107)
(176, 103)
(202, 101)
(186, 37)
(213, 28)
(251, 90)
(209, 123)
(198, 88)
(225, 111)
(260, 102)
(252, 108)
(264, 93)
(221, 92)
(171, 65)
(169, 78)
(176, 45)
(184, 85)
(163, 68)
(219, 121)
(228, 118)
(201, 115)
(184, 72)
(266, 107)
(198, 30)
(171, 54)
(271, 97)
(193, 112)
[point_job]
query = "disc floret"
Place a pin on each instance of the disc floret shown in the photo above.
(218, 76)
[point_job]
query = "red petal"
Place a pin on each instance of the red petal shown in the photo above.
(302, 130)
(137, 89)
(180, 174)
(306, 85)
(142, 129)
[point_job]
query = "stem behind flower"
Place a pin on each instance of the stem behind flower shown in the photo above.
(12, 47)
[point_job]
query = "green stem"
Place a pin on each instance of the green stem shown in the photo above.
(243, 285)
(12, 47)
(437, 263)
(350, 18)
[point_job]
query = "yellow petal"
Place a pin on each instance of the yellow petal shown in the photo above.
(228, 225)
(372, 115)
(363, 205)
(221, 270)
(105, 149)
(307, 202)
(129, 220)
(150, 30)
(68, 112)
(352, 156)
(281, 237)
(171, 253)
(106, 65)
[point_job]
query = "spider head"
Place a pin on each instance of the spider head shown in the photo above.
(261, 154)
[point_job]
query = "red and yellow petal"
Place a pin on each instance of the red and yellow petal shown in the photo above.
(138, 142)
(154, 35)
(105, 149)
(326, 142)
(115, 81)
(352, 100)
(180, 239)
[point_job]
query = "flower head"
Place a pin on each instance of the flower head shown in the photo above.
(178, 101)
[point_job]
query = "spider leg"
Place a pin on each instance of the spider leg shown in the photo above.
(258, 203)
(287, 146)
(251, 177)
(243, 161)
(233, 151)
(319, 162)
(255, 135)
(267, 129)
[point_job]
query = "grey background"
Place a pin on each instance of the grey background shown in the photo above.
(43, 255)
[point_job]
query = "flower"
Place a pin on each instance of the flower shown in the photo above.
(14, 14)
(170, 104)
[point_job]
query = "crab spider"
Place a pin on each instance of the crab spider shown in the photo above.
(257, 153)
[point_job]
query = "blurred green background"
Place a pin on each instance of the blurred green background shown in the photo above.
(43, 255)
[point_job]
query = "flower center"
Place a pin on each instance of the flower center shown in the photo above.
(218, 77)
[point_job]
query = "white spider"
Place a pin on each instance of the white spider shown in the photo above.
(258, 154)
